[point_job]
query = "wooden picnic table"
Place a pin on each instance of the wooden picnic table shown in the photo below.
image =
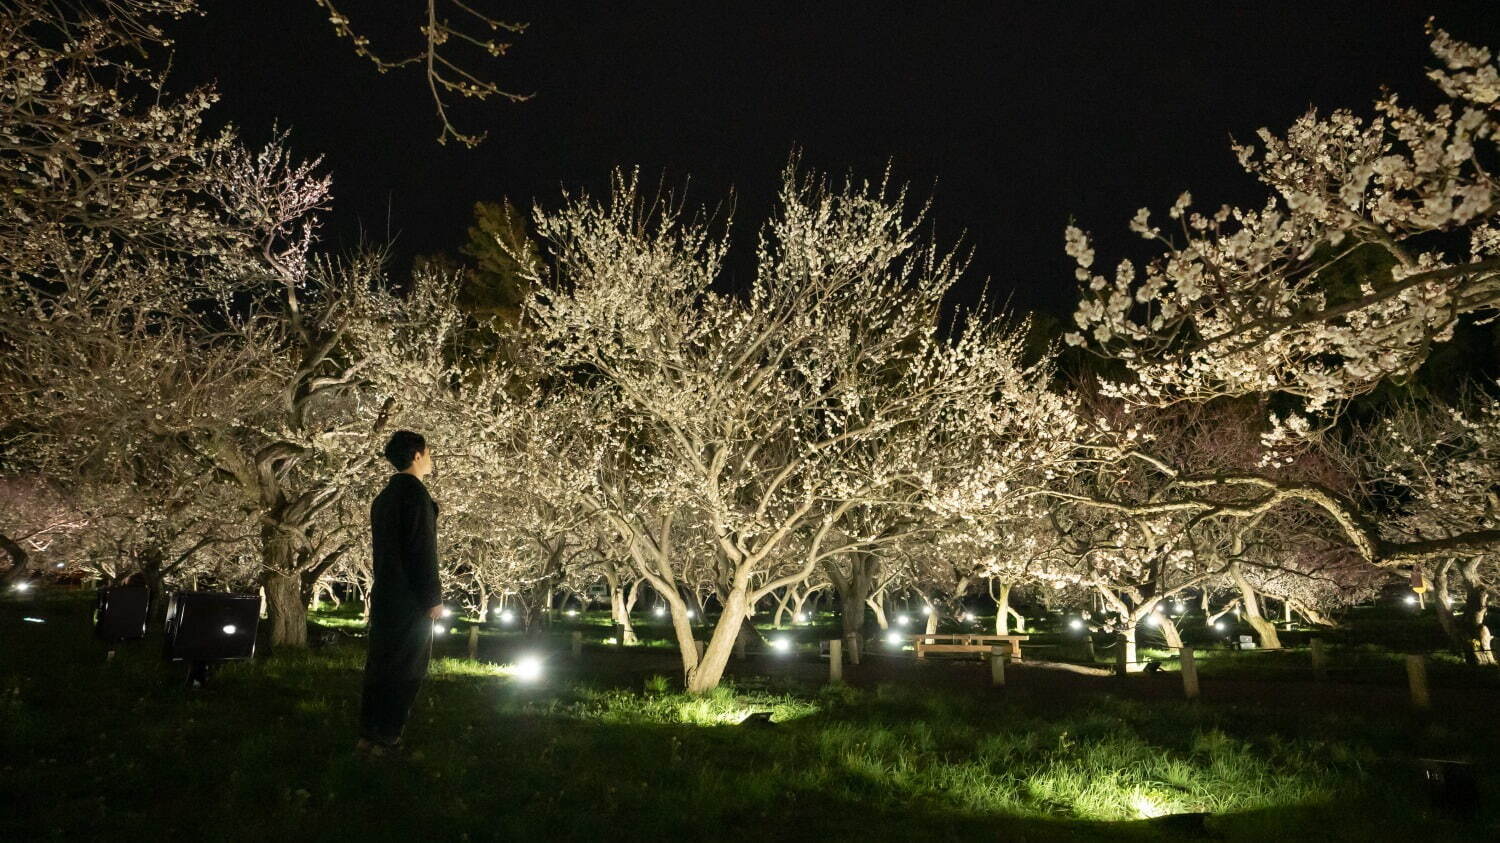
(969, 643)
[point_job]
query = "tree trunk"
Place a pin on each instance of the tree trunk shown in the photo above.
(1003, 610)
(631, 595)
(798, 601)
(1269, 640)
(286, 606)
(706, 674)
(1170, 632)
(1002, 607)
(877, 603)
(1128, 641)
(853, 592)
(932, 615)
(19, 560)
(1476, 607)
(778, 620)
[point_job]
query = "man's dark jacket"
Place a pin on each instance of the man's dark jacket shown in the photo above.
(403, 522)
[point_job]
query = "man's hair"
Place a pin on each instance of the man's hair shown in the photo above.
(403, 447)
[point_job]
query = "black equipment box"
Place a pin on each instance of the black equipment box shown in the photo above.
(121, 613)
(211, 626)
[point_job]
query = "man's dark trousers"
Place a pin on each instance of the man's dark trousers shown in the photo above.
(399, 651)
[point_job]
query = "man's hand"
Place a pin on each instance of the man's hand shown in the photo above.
(435, 612)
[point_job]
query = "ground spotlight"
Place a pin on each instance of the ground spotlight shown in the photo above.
(894, 639)
(121, 615)
(781, 645)
(659, 611)
(1219, 625)
(1411, 599)
(926, 610)
(692, 614)
(528, 669)
(969, 616)
(903, 620)
(207, 627)
(447, 612)
(1076, 623)
(437, 629)
(507, 616)
(22, 586)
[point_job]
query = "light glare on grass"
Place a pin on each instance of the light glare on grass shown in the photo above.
(528, 669)
(1145, 806)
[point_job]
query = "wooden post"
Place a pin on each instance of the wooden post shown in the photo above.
(473, 642)
(998, 658)
(1121, 665)
(835, 660)
(577, 644)
(1416, 676)
(1319, 660)
(1189, 674)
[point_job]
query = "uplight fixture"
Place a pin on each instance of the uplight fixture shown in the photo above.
(528, 669)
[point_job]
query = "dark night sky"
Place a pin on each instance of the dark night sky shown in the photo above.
(1012, 116)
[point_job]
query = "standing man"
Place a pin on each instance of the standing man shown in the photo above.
(406, 596)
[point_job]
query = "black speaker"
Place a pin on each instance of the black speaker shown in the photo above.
(121, 613)
(207, 626)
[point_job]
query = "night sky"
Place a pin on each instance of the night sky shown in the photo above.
(1012, 116)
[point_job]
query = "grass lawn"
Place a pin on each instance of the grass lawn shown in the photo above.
(122, 751)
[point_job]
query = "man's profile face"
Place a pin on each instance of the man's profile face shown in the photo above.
(421, 463)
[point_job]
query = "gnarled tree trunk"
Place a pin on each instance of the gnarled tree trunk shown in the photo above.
(1266, 630)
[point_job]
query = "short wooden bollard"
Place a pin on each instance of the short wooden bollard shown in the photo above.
(1189, 674)
(1416, 676)
(1319, 660)
(835, 660)
(577, 644)
(998, 657)
(473, 643)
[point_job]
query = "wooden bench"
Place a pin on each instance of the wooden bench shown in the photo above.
(967, 643)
